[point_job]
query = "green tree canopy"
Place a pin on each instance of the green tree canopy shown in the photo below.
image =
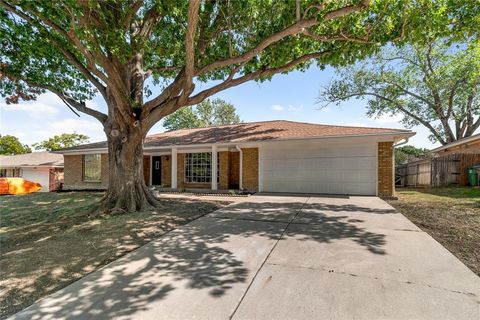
(10, 145)
(435, 84)
(206, 114)
(404, 153)
(121, 49)
(65, 140)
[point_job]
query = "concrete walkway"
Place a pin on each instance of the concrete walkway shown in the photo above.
(279, 257)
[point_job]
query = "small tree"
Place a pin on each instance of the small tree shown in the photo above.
(65, 140)
(404, 153)
(10, 145)
(436, 85)
(206, 114)
(117, 49)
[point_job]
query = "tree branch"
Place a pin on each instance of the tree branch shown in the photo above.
(343, 37)
(291, 30)
(398, 105)
(230, 82)
(80, 106)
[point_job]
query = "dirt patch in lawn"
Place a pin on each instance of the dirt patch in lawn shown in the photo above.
(450, 215)
(48, 240)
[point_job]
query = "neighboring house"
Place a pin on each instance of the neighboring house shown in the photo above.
(466, 145)
(270, 156)
(45, 168)
(445, 166)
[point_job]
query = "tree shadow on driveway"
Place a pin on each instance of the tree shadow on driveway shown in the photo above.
(201, 260)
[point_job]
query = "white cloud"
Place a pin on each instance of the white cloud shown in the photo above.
(33, 108)
(75, 125)
(46, 106)
(277, 108)
(91, 128)
(389, 118)
(295, 109)
(325, 109)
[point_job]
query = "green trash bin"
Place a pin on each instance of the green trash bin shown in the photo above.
(472, 176)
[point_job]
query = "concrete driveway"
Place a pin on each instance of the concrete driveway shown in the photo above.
(279, 257)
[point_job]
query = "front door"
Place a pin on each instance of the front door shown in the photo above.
(156, 170)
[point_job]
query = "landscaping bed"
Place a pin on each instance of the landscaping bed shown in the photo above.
(49, 240)
(450, 215)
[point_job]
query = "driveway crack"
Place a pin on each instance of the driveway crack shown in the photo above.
(351, 274)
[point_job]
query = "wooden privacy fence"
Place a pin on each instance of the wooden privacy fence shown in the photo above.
(436, 172)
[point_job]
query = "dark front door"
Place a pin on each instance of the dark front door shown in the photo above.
(156, 171)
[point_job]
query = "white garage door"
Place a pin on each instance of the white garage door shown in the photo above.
(37, 175)
(319, 167)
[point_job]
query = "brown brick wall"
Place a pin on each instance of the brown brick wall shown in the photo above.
(73, 173)
(224, 163)
(55, 179)
(250, 169)
(386, 183)
(234, 170)
(167, 171)
(146, 169)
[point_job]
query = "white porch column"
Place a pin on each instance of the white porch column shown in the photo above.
(174, 168)
(214, 167)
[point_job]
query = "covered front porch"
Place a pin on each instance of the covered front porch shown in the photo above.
(212, 168)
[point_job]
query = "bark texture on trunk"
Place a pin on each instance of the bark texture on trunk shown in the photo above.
(127, 190)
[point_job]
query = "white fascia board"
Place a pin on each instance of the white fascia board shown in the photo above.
(84, 151)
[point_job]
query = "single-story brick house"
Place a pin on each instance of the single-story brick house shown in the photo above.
(45, 168)
(466, 145)
(269, 156)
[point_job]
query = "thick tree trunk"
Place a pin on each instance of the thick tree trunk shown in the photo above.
(127, 190)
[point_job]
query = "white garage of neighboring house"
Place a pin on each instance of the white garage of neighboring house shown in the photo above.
(268, 156)
(45, 168)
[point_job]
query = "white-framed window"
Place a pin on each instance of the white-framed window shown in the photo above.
(92, 167)
(198, 167)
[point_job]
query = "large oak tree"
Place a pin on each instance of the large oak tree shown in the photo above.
(117, 49)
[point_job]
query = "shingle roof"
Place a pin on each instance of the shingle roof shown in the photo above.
(34, 159)
(249, 132)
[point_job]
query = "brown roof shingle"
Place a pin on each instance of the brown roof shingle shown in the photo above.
(249, 132)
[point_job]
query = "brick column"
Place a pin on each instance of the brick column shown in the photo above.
(213, 169)
(249, 163)
(174, 168)
(386, 173)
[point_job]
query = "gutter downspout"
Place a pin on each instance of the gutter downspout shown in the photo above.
(401, 143)
(240, 180)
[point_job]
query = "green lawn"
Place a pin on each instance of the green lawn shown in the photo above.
(48, 240)
(450, 215)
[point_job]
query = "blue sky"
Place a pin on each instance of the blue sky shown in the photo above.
(289, 97)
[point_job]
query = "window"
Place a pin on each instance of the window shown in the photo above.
(92, 167)
(198, 167)
(3, 173)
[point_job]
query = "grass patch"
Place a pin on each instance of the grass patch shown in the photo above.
(48, 240)
(450, 215)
